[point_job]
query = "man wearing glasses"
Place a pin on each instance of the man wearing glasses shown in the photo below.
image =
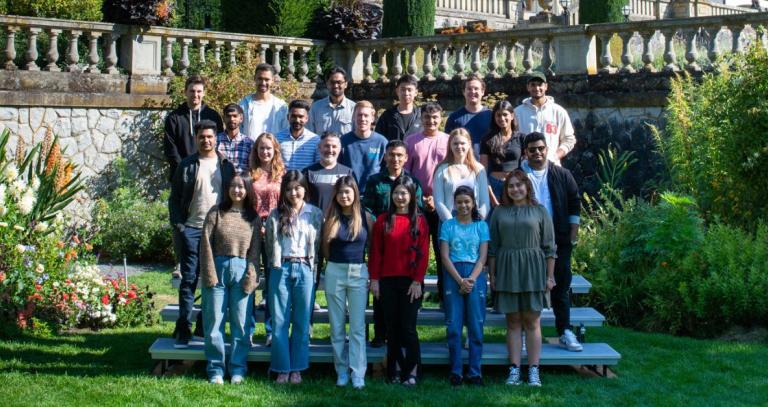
(332, 113)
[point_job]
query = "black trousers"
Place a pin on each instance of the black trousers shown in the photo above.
(560, 294)
(401, 325)
(433, 221)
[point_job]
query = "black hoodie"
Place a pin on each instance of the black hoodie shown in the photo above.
(179, 140)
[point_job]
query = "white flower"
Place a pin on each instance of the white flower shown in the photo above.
(59, 219)
(35, 183)
(40, 268)
(2, 193)
(27, 203)
(18, 228)
(41, 227)
(21, 248)
(122, 301)
(56, 284)
(3, 210)
(17, 188)
(3, 224)
(11, 172)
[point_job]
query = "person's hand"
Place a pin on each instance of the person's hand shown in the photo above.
(375, 288)
(466, 285)
(180, 227)
(414, 291)
(551, 283)
(429, 203)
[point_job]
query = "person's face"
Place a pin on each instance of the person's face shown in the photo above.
(263, 81)
(504, 119)
(336, 84)
(536, 153)
(364, 118)
(345, 197)
(463, 205)
(295, 193)
(233, 120)
(206, 141)
(237, 191)
(537, 89)
(401, 198)
(516, 190)
(396, 158)
(297, 118)
(406, 93)
(329, 149)
(266, 150)
(460, 146)
(194, 94)
(431, 121)
(473, 92)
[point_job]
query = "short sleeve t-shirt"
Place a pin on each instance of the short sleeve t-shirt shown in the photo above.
(207, 191)
(512, 152)
(321, 182)
(464, 240)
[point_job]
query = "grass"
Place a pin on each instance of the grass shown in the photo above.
(113, 367)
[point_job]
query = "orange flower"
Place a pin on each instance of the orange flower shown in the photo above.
(76, 239)
(54, 159)
(664, 264)
(2, 276)
(60, 244)
(88, 247)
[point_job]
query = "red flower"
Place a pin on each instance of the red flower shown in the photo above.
(115, 285)
(2, 276)
(38, 287)
(65, 296)
(131, 294)
(133, 287)
(105, 299)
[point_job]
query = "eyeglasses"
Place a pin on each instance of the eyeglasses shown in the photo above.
(337, 82)
(536, 148)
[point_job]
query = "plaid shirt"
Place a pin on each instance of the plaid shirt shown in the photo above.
(236, 151)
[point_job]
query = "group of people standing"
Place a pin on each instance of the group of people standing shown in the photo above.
(293, 189)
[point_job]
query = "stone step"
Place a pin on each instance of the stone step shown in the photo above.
(432, 316)
(579, 284)
(431, 353)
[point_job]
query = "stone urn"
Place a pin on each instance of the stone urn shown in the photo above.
(546, 5)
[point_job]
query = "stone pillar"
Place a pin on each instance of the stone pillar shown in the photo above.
(689, 8)
(575, 54)
(140, 53)
(350, 59)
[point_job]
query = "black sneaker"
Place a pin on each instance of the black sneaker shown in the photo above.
(455, 380)
(474, 381)
(377, 343)
(182, 339)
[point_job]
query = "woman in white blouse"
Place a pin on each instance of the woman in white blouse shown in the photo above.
(459, 168)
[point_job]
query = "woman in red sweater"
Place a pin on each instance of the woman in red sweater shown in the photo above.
(397, 263)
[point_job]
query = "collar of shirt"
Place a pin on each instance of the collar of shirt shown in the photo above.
(223, 136)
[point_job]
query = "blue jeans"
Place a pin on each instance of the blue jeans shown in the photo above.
(189, 243)
(227, 296)
(290, 294)
(460, 308)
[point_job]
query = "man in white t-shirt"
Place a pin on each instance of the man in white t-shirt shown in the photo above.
(263, 112)
(540, 113)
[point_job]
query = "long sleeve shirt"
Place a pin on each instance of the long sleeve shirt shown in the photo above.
(550, 119)
(392, 252)
(229, 234)
(446, 181)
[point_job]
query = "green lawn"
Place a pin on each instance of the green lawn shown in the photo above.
(113, 367)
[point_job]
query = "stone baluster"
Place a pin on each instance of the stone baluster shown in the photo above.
(713, 51)
(201, 45)
(53, 50)
(318, 67)
(492, 60)
(546, 56)
(474, 48)
(168, 56)
(669, 51)
(459, 65)
(185, 55)
(510, 61)
(368, 65)
(290, 68)
(443, 65)
(73, 57)
(647, 52)
(303, 66)
(111, 53)
(527, 56)
(232, 50)
(248, 53)
(736, 39)
(427, 67)
(412, 67)
(10, 47)
(626, 52)
(606, 59)
(93, 54)
(691, 52)
(217, 53)
(383, 66)
(31, 54)
(397, 64)
(263, 53)
(276, 60)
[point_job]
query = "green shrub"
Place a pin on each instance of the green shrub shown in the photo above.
(289, 18)
(88, 10)
(601, 11)
(408, 18)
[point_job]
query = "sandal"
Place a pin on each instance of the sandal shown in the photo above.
(282, 378)
(410, 381)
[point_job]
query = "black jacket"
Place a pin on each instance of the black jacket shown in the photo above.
(183, 186)
(179, 141)
(389, 124)
(564, 193)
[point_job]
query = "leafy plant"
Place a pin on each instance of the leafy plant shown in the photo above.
(88, 10)
(351, 20)
(613, 166)
(138, 12)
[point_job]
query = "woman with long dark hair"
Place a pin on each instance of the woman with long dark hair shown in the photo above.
(397, 264)
(293, 241)
(229, 255)
(501, 149)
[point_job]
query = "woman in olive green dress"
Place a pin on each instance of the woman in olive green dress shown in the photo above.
(522, 263)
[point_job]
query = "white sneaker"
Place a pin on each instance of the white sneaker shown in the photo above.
(236, 379)
(569, 341)
(342, 379)
(514, 376)
(358, 383)
(533, 376)
(216, 380)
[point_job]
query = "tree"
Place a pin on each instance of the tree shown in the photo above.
(289, 18)
(408, 18)
(601, 11)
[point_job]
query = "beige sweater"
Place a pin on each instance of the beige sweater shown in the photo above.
(229, 234)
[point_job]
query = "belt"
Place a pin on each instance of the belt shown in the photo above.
(304, 260)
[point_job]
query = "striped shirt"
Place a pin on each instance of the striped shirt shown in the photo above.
(236, 151)
(298, 153)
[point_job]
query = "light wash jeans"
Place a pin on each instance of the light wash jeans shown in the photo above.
(346, 290)
(460, 308)
(227, 296)
(290, 294)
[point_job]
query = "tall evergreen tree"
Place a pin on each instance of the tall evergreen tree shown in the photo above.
(408, 18)
(601, 11)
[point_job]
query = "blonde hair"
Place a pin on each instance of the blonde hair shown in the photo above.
(278, 167)
(470, 160)
(363, 104)
(333, 215)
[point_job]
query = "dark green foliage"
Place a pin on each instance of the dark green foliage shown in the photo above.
(601, 11)
(289, 18)
(408, 18)
(349, 21)
(138, 12)
(200, 14)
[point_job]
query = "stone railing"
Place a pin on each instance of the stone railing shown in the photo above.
(115, 49)
(553, 50)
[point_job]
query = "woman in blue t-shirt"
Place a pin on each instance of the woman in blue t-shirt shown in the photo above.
(463, 251)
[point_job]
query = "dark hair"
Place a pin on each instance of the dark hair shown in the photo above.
(205, 125)
(468, 191)
(334, 214)
(226, 202)
(327, 134)
(335, 70)
(395, 144)
(473, 77)
(194, 80)
(522, 176)
(265, 67)
(494, 139)
(532, 138)
(407, 80)
(284, 209)
(431, 107)
(413, 212)
(298, 104)
(233, 107)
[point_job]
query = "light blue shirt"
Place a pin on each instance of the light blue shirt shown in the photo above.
(298, 153)
(323, 116)
(464, 240)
